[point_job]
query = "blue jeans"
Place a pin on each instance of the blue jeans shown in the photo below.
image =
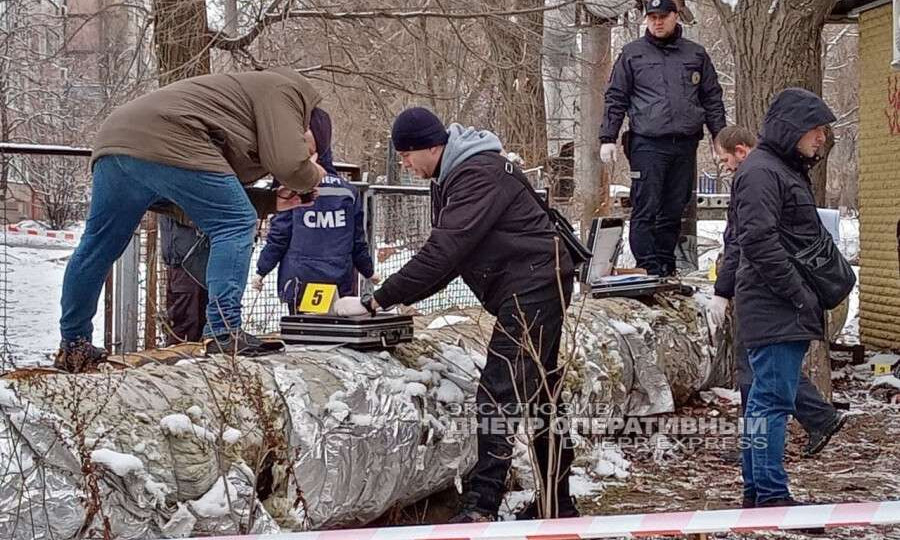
(776, 374)
(123, 188)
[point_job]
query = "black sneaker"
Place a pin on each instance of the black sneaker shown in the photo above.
(79, 356)
(789, 501)
(243, 344)
(470, 516)
(566, 510)
(818, 440)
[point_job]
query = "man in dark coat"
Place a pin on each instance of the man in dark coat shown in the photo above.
(668, 87)
(818, 417)
(488, 228)
(778, 310)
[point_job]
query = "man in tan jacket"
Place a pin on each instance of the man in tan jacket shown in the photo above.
(194, 143)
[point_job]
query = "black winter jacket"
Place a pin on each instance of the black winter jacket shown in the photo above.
(773, 202)
(667, 88)
(488, 229)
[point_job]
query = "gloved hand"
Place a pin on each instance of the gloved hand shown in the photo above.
(375, 279)
(349, 306)
(716, 310)
(608, 152)
(257, 282)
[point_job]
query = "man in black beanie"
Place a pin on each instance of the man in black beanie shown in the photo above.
(488, 228)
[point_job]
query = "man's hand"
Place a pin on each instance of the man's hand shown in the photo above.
(608, 153)
(375, 278)
(349, 306)
(257, 282)
(315, 161)
(716, 310)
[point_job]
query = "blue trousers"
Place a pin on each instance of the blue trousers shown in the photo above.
(776, 375)
(123, 189)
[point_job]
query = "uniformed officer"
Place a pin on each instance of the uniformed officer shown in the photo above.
(668, 87)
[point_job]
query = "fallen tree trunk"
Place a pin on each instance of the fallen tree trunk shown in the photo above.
(311, 438)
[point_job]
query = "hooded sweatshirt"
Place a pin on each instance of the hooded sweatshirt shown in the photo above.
(247, 124)
(773, 206)
(486, 228)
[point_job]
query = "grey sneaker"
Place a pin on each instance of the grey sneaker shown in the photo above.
(818, 440)
(79, 356)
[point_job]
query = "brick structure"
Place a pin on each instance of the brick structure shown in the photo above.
(879, 183)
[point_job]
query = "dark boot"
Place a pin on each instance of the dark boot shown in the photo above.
(79, 356)
(791, 502)
(818, 440)
(242, 344)
(567, 509)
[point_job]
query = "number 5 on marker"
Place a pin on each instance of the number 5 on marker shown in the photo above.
(317, 298)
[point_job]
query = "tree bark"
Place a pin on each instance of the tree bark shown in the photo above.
(777, 45)
(182, 51)
(592, 178)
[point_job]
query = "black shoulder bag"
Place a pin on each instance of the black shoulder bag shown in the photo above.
(823, 267)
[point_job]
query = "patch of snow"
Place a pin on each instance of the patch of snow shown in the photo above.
(180, 425)
(513, 502)
(726, 394)
(414, 375)
(886, 380)
(214, 503)
(582, 485)
(195, 412)
(447, 320)
(623, 327)
(415, 389)
(364, 420)
(231, 435)
(732, 3)
(181, 524)
(449, 393)
(35, 285)
(120, 464)
(336, 407)
(8, 397)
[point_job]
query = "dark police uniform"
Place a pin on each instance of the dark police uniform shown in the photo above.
(669, 89)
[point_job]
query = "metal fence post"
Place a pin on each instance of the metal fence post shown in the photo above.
(126, 311)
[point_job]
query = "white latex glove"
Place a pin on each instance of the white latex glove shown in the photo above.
(716, 310)
(375, 279)
(608, 152)
(257, 282)
(348, 306)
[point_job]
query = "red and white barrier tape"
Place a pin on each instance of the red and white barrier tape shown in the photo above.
(639, 525)
(59, 235)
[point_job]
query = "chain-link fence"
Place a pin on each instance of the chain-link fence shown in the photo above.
(131, 312)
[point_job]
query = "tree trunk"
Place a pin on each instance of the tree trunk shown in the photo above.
(777, 45)
(182, 51)
(592, 178)
(182, 43)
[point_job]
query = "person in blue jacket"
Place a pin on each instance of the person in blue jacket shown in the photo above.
(322, 242)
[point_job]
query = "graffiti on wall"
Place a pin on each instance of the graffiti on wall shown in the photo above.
(892, 110)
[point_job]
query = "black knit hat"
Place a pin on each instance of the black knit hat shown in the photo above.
(417, 128)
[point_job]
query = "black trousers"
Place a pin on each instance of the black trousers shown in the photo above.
(510, 385)
(185, 306)
(662, 181)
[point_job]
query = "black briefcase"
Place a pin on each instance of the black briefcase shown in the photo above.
(363, 332)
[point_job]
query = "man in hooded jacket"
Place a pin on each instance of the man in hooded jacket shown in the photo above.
(778, 310)
(488, 228)
(194, 143)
